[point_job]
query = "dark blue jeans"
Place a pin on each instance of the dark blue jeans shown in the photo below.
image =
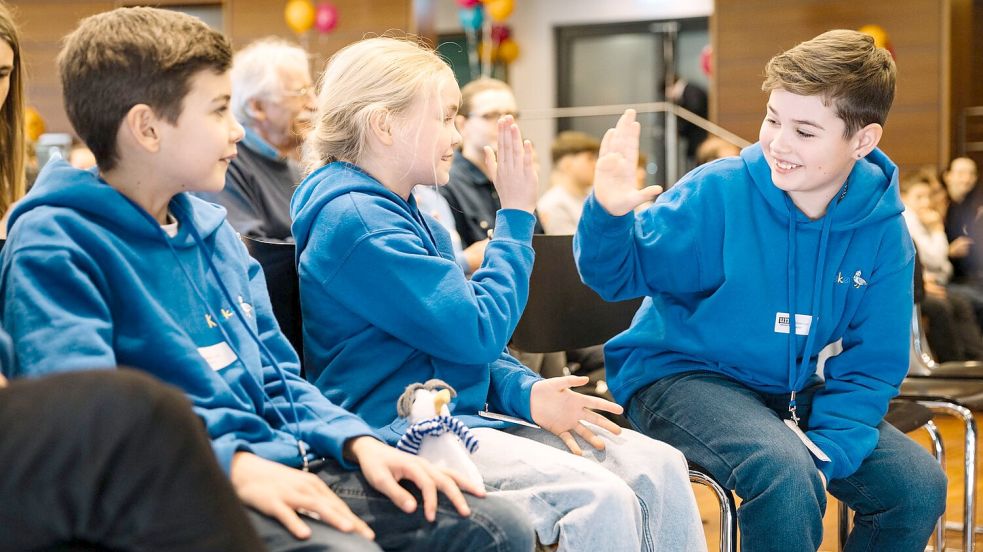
(737, 434)
(495, 524)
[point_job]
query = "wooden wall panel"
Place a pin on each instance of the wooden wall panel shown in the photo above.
(749, 32)
(44, 22)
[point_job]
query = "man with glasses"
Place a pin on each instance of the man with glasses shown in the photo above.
(273, 98)
(470, 192)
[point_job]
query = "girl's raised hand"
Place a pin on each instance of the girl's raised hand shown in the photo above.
(615, 185)
(515, 178)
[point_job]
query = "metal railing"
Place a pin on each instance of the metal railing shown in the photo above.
(671, 110)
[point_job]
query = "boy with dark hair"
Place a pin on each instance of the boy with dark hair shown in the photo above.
(119, 266)
(751, 265)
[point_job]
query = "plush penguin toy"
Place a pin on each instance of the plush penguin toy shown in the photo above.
(433, 434)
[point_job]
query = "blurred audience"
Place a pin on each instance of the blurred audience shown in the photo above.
(574, 157)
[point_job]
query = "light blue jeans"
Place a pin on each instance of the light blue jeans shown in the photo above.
(634, 495)
(737, 434)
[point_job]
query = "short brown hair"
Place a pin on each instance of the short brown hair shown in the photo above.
(572, 142)
(475, 87)
(846, 69)
(129, 56)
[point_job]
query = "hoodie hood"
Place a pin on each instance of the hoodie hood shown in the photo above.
(61, 185)
(327, 183)
(872, 191)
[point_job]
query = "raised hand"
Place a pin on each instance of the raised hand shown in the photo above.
(559, 409)
(515, 177)
(281, 492)
(384, 467)
(615, 183)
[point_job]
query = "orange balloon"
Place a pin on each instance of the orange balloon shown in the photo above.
(299, 15)
(33, 124)
(499, 10)
(877, 33)
(483, 51)
(508, 50)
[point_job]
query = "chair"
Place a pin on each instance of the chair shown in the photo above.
(954, 389)
(282, 282)
(953, 396)
(562, 314)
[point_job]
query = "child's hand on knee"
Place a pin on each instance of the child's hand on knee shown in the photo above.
(615, 180)
(561, 410)
(384, 467)
(282, 492)
(515, 176)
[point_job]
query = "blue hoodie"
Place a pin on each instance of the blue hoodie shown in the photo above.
(386, 305)
(90, 280)
(724, 255)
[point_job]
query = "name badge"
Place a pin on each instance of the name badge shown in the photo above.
(218, 356)
(813, 448)
(505, 418)
(802, 323)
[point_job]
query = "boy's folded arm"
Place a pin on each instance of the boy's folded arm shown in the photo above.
(56, 312)
(862, 379)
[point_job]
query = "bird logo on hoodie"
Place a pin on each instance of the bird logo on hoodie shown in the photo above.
(858, 281)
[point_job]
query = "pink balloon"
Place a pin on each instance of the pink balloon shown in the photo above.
(500, 33)
(468, 3)
(326, 17)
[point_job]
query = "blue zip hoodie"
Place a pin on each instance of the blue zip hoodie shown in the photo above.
(90, 280)
(724, 256)
(386, 305)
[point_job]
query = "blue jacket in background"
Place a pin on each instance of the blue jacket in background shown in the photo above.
(90, 280)
(386, 305)
(723, 257)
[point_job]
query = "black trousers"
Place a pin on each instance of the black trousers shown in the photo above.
(111, 460)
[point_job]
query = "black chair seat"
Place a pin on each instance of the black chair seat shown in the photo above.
(907, 416)
(280, 269)
(562, 312)
(965, 393)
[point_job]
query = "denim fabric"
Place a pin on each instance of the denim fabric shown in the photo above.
(634, 495)
(495, 525)
(738, 435)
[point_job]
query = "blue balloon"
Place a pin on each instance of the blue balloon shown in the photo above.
(471, 18)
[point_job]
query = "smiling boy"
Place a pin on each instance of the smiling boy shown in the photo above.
(807, 222)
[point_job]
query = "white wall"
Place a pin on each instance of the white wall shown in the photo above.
(533, 75)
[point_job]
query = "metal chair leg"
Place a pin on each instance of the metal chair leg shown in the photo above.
(938, 451)
(844, 525)
(969, 467)
(728, 510)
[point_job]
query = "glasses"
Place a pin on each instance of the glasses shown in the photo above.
(300, 92)
(495, 115)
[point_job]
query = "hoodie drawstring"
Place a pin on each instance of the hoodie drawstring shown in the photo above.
(797, 370)
(302, 447)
